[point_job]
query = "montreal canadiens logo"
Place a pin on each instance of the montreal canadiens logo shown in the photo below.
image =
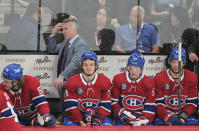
(23, 110)
(85, 103)
(172, 101)
(133, 102)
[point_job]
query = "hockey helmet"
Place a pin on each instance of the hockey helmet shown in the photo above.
(12, 72)
(175, 52)
(89, 55)
(136, 59)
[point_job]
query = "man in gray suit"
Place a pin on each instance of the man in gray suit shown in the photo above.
(70, 51)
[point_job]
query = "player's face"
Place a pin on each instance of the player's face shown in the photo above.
(134, 71)
(89, 67)
(174, 65)
(7, 83)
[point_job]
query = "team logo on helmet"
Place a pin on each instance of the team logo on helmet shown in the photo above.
(175, 54)
(133, 102)
(85, 103)
(172, 101)
(136, 59)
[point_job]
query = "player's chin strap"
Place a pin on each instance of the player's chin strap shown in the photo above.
(175, 73)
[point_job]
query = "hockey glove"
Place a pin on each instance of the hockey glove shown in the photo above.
(125, 116)
(141, 120)
(171, 119)
(45, 120)
(89, 113)
(97, 120)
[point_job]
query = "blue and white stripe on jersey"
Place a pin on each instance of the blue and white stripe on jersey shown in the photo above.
(149, 108)
(160, 101)
(192, 101)
(70, 104)
(6, 113)
(106, 105)
(39, 100)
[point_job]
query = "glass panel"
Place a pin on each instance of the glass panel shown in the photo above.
(170, 17)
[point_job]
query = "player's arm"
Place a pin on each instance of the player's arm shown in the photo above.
(115, 95)
(71, 102)
(104, 109)
(149, 105)
(8, 117)
(160, 104)
(38, 97)
(192, 99)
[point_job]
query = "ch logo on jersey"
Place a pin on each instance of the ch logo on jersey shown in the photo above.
(123, 86)
(172, 101)
(85, 103)
(80, 91)
(133, 102)
(23, 110)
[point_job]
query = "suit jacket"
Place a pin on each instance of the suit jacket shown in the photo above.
(73, 58)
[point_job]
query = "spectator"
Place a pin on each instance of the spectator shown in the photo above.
(133, 94)
(70, 51)
(91, 30)
(159, 9)
(8, 117)
(87, 95)
(193, 14)
(27, 96)
(170, 32)
(167, 88)
(190, 37)
(137, 34)
(105, 39)
(28, 28)
(3, 48)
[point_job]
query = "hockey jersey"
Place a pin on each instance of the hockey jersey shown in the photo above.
(135, 96)
(167, 93)
(80, 95)
(29, 100)
(8, 117)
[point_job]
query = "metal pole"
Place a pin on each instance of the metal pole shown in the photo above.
(39, 27)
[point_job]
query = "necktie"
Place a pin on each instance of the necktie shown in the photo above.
(64, 56)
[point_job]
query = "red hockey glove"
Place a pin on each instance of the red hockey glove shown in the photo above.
(89, 113)
(171, 119)
(125, 116)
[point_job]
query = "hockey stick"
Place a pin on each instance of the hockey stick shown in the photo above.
(179, 79)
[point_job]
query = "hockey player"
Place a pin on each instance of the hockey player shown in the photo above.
(8, 117)
(87, 95)
(167, 93)
(27, 97)
(133, 94)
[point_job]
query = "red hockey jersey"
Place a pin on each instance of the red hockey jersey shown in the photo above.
(8, 117)
(167, 93)
(135, 96)
(80, 95)
(29, 100)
